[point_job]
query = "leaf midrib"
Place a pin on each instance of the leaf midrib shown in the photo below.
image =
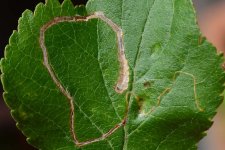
(133, 69)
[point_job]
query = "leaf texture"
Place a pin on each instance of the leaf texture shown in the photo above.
(175, 77)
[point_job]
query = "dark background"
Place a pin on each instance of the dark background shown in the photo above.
(10, 11)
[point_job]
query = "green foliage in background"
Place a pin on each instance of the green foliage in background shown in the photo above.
(165, 53)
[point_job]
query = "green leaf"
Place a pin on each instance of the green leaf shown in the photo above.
(175, 81)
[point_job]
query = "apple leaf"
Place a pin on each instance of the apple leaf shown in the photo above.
(65, 76)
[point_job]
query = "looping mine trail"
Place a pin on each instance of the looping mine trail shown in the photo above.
(123, 79)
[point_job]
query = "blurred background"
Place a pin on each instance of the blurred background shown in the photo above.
(211, 19)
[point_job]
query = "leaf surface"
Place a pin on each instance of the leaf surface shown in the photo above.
(175, 77)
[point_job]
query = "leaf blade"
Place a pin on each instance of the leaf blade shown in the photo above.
(156, 48)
